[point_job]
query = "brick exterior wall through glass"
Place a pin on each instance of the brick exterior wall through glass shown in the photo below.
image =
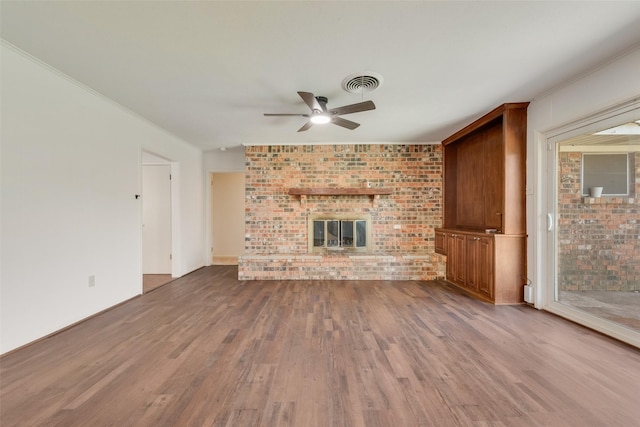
(598, 238)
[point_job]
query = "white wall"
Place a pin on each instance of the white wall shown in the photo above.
(607, 86)
(230, 160)
(71, 163)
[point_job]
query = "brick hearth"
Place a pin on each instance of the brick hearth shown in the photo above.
(342, 267)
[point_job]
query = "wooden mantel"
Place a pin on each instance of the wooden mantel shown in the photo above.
(372, 192)
(335, 191)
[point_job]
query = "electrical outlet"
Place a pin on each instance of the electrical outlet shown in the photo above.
(92, 281)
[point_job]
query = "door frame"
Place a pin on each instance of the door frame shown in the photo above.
(156, 179)
(148, 157)
(210, 214)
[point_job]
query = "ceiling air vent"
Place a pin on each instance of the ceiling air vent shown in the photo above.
(362, 82)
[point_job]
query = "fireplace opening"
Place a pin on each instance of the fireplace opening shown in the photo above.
(336, 233)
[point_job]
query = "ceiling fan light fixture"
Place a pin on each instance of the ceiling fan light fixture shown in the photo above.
(320, 119)
(320, 114)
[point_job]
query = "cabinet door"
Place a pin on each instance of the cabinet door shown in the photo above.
(480, 270)
(460, 264)
(441, 243)
(451, 257)
(456, 258)
(473, 266)
(485, 272)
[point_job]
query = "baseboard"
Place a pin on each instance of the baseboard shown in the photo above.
(224, 260)
(66, 327)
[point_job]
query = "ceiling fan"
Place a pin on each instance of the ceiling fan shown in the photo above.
(320, 114)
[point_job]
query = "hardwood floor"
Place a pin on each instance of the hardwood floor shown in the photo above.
(153, 281)
(207, 350)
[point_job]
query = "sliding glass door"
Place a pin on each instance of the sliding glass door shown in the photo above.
(595, 224)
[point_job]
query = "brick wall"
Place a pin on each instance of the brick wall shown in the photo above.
(276, 223)
(598, 238)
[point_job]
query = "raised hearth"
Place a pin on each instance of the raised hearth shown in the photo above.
(341, 266)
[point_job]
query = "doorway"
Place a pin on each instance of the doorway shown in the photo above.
(156, 222)
(227, 217)
(595, 225)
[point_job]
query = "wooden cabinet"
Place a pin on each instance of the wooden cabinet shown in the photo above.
(484, 228)
(489, 266)
(484, 172)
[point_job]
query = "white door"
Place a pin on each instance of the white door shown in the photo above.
(156, 219)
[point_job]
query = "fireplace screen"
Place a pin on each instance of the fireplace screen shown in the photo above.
(339, 234)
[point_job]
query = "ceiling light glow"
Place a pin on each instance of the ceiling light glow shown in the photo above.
(320, 119)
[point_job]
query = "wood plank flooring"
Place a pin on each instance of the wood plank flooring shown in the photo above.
(208, 350)
(154, 281)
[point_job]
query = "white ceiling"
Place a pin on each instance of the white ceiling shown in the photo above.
(206, 71)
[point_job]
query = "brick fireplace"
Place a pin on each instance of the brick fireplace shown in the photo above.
(400, 222)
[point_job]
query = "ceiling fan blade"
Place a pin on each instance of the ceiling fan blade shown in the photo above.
(354, 108)
(306, 126)
(286, 114)
(310, 100)
(344, 123)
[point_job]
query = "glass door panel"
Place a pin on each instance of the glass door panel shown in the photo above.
(597, 211)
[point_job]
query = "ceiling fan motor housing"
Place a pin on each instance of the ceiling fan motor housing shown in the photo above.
(322, 100)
